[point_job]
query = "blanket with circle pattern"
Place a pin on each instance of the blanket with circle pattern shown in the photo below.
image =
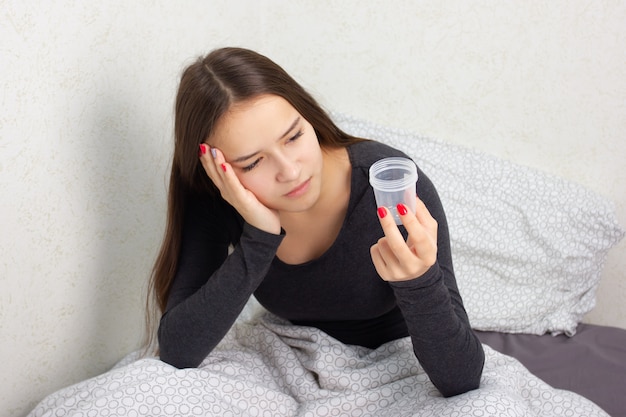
(268, 367)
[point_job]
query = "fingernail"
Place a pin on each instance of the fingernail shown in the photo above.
(401, 209)
(382, 212)
(224, 167)
(202, 149)
(214, 152)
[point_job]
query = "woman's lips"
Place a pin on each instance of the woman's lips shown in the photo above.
(299, 190)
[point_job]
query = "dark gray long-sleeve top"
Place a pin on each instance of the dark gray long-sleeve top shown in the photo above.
(339, 293)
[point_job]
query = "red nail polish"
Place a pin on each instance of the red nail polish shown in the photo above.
(382, 212)
(224, 167)
(202, 149)
(401, 209)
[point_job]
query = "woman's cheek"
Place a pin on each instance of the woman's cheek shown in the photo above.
(257, 185)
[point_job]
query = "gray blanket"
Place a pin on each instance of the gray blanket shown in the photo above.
(267, 367)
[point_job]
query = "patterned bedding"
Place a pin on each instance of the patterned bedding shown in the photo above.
(268, 367)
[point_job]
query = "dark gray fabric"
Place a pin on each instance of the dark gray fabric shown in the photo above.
(592, 363)
(340, 292)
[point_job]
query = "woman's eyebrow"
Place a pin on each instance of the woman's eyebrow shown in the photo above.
(293, 125)
(246, 157)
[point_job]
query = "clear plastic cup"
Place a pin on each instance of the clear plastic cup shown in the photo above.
(393, 180)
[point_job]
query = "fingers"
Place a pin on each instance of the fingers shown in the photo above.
(386, 262)
(394, 239)
(424, 217)
(221, 173)
(215, 165)
(396, 259)
(391, 255)
(422, 232)
(210, 158)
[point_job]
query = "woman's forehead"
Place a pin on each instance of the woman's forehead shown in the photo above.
(264, 118)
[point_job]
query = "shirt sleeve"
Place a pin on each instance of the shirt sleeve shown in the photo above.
(443, 340)
(211, 287)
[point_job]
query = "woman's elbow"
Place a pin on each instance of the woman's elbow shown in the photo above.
(171, 352)
(469, 381)
(460, 387)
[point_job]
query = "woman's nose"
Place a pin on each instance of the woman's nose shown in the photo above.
(288, 170)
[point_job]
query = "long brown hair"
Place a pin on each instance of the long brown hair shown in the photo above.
(208, 88)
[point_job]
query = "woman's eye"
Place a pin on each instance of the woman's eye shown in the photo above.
(296, 136)
(251, 166)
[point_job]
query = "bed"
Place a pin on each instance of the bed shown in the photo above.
(529, 250)
(591, 363)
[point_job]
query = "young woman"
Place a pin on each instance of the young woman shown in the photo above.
(260, 167)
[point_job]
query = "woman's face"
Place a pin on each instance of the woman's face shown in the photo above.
(274, 152)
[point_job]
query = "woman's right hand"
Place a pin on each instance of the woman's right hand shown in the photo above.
(231, 189)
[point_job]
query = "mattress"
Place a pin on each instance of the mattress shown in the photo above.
(592, 363)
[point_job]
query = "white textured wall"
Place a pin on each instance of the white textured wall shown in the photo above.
(87, 92)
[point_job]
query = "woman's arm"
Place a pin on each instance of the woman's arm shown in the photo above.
(427, 293)
(211, 288)
(443, 341)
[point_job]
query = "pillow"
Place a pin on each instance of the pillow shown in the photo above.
(528, 248)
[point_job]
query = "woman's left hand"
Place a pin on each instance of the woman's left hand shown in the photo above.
(398, 260)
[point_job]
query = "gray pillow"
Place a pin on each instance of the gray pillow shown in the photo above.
(528, 247)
